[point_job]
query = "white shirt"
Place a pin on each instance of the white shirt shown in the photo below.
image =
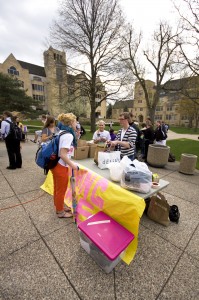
(5, 127)
(101, 134)
(65, 141)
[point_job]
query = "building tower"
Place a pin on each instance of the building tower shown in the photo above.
(56, 81)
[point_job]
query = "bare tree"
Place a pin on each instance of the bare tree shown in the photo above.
(189, 22)
(91, 29)
(161, 58)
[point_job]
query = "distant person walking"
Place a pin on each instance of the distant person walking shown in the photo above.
(38, 133)
(12, 144)
(160, 134)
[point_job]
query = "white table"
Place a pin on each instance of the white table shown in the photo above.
(89, 164)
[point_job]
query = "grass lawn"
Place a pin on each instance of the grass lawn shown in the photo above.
(180, 146)
(184, 130)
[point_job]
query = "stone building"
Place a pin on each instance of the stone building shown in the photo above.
(54, 89)
(174, 107)
(121, 106)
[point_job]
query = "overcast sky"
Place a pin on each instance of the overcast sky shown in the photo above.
(24, 24)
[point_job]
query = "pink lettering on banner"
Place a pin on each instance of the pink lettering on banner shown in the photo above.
(100, 187)
(89, 187)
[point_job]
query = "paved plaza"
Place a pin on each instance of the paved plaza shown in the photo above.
(41, 257)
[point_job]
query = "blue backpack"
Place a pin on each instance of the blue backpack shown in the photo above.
(47, 155)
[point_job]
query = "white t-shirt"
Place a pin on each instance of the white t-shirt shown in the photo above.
(65, 141)
(101, 134)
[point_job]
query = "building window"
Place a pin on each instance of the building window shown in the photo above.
(39, 97)
(169, 108)
(139, 101)
(168, 117)
(36, 78)
(13, 71)
(59, 74)
(158, 117)
(141, 109)
(37, 87)
(159, 108)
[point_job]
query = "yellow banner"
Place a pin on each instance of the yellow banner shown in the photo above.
(95, 193)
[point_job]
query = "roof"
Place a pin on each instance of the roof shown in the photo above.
(33, 69)
(123, 104)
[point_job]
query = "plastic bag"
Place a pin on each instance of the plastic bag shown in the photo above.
(115, 171)
(136, 177)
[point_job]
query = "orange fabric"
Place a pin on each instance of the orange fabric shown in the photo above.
(60, 179)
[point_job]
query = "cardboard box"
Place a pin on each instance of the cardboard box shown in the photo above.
(81, 152)
(81, 143)
(91, 152)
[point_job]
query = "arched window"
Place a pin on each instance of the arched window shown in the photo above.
(13, 71)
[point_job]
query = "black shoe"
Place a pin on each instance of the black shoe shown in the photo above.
(11, 168)
(33, 141)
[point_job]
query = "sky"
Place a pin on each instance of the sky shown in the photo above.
(24, 24)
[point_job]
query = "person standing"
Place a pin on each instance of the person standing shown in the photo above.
(49, 129)
(12, 144)
(126, 137)
(101, 135)
(160, 134)
(61, 171)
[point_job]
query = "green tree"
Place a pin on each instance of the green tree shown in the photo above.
(12, 96)
(109, 111)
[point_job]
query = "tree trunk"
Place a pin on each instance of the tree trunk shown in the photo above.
(151, 112)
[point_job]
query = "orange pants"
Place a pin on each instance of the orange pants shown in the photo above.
(60, 179)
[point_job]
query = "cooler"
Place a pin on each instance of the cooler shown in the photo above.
(104, 240)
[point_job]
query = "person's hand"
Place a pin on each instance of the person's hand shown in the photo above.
(114, 143)
(74, 167)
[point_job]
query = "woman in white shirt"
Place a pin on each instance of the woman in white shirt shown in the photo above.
(101, 135)
(61, 171)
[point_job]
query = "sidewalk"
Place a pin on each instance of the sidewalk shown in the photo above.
(41, 256)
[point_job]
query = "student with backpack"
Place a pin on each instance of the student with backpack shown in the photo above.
(60, 172)
(12, 135)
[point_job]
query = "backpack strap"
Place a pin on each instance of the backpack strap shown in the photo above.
(60, 134)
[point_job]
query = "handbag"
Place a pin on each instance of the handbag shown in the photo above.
(158, 210)
(105, 158)
(99, 148)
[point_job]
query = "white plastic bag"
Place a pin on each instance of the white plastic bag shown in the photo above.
(115, 171)
(137, 177)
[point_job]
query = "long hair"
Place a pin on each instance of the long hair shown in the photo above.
(49, 120)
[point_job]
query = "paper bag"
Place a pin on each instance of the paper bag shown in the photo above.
(158, 210)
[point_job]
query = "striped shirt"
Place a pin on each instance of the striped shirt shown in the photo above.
(129, 136)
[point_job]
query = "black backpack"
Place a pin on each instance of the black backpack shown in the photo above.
(174, 214)
(15, 132)
(171, 157)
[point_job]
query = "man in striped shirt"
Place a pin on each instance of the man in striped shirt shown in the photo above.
(126, 137)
